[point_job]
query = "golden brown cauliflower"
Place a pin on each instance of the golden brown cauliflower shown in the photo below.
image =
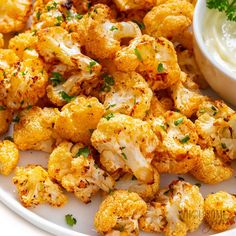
(220, 210)
(14, 14)
(78, 119)
(130, 94)
(1, 41)
(6, 116)
(186, 96)
(174, 18)
(175, 211)
(34, 131)
(178, 151)
(74, 168)
(119, 213)
(126, 143)
(9, 156)
(126, 5)
(210, 168)
(154, 59)
(34, 187)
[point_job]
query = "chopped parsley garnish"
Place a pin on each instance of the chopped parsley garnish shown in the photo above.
(38, 14)
(198, 184)
(70, 220)
(10, 138)
(89, 5)
(109, 116)
(16, 119)
(160, 68)
(29, 107)
(59, 20)
(124, 156)
(53, 6)
(2, 108)
(91, 65)
(213, 108)
(30, 49)
(140, 24)
(83, 151)
(180, 178)
(163, 127)
(110, 105)
(226, 6)
(78, 16)
(138, 54)
(113, 28)
(202, 111)
(179, 121)
(24, 73)
(56, 79)
(66, 97)
(185, 139)
(223, 145)
(108, 82)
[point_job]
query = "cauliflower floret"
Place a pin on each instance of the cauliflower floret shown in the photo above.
(22, 42)
(130, 94)
(74, 168)
(126, 5)
(79, 118)
(14, 14)
(9, 156)
(1, 41)
(174, 18)
(129, 140)
(186, 96)
(155, 60)
(34, 187)
(35, 129)
(210, 168)
(220, 210)
(119, 213)
(175, 211)
(178, 152)
(6, 116)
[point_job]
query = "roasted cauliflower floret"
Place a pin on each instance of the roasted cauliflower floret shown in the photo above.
(130, 141)
(9, 156)
(79, 118)
(175, 211)
(173, 17)
(220, 210)
(178, 151)
(129, 95)
(126, 5)
(75, 169)
(14, 14)
(119, 213)
(34, 187)
(1, 41)
(34, 131)
(210, 168)
(6, 116)
(155, 60)
(186, 96)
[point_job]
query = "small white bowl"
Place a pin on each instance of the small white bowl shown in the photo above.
(219, 78)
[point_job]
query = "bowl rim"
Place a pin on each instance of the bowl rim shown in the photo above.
(197, 33)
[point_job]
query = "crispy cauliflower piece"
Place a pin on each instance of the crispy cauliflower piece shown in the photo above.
(34, 131)
(22, 42)
(128, 140)
(119, 213)
(220, 210)
(9, 156)
(155, 60)
(173, 17)
(130, 94)
(126, 5)
(178, 152)
(6, 116)
(1, 41)
(34, 187)
(79, 118)
(75, 169)
(210, 168)
(175, 211)
(186, 95)
(14, 14)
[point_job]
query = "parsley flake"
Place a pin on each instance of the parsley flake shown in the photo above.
(70, 220)
(91, 65)
(16, 119)
(178, 121)
(160, 68)
(56, 79)
(138, 54)
(109, 116)
(185, 139)
(124, 156)
(84, 152)
(140, 24)
(223, 145)
(113, 28)
(66, 97)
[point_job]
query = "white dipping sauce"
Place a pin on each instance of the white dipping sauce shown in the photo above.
(219, 35)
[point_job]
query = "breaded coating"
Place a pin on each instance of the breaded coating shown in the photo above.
(173, 17)
(35, 187)
(34, 130)
(126, 5)
(78, 119)
(130, 94)
(154, 59)
(6, 116)
(1, 41)
(74, 168)
(119, 213)
(9, 156)
(14, 14)
(186, 95)
(220, 210)
(210, 168)
(175, 211)
(178, 152)
(128, 140)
